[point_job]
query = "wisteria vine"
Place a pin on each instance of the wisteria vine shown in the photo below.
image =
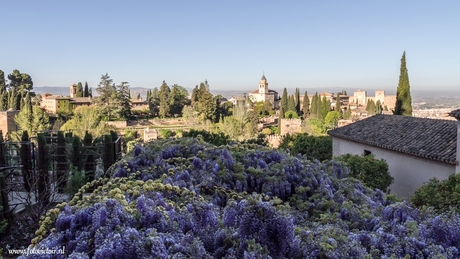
(185, 198)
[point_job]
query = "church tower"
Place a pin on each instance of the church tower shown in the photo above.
(73, 91)
(263, 85)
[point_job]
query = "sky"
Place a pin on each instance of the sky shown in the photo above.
(296, 44)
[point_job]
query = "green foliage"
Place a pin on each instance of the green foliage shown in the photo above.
(164, 100)
(370, 171)
(371, 108)
(86, 119)
(267, 131)
(291, 115)
(165, 133)
(79, 92)
(217, 139)
(284, 100)
(316, 127)
(43, 163)
(33, 122)
(403, 96)
(297, 100)
(291, 104)
(347, 114)
(325, 107)
(86, 91)
(442, 195)
(205, 103)
(274, 129)
(306, 106)
(76, 181)
(332, 119)
(314, 147)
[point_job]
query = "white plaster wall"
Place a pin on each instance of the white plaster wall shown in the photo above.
(409, 172)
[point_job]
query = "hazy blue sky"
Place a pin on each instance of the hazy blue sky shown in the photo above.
(305, 44)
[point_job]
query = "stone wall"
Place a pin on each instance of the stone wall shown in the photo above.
(290, 126)
(7, 123)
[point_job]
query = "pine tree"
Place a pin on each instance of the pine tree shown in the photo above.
(79, 92)
(403, 96)
(297, 100)
(284, 100)
(306, 106)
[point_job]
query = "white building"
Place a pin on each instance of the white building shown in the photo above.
(263, 94)
(416, 149)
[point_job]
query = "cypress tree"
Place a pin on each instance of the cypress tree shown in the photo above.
(284, 100)
(86, 91)
(26, 161)
(281, 116)
(403, 96)
(42, 166)
(297, 100)
(314, 105)
(325, 107)
(61, 161)
(378, 107)
(80, 92)
(90, 92)
(319, 107)
(306, 106)
(291, 104)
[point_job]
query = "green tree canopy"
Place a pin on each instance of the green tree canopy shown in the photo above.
(33, 120)
(86, 119)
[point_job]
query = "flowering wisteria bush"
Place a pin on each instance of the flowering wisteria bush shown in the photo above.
(188, 199)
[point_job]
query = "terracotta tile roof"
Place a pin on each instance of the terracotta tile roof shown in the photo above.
(455, 114)
(427, 138)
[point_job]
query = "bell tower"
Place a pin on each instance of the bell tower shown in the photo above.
(73, 91)
(263, 85)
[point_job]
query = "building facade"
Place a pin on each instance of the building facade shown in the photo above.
(416, 149)
(263, 94)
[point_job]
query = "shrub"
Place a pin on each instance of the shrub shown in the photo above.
(267, 131)
(369, 170)
(76, 181)
(314, 147)
(212, 138)
(185, 198)
(164, 133)
(441, 195)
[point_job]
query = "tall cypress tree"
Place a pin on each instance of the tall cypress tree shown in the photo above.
(318, 106)
(3, 92)
(291, 104)
(297, 100)
(314, 105)
(86, 91)
(403, 97)
(80, 92)
(306, 105)
(281, 116)
(284, 100)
